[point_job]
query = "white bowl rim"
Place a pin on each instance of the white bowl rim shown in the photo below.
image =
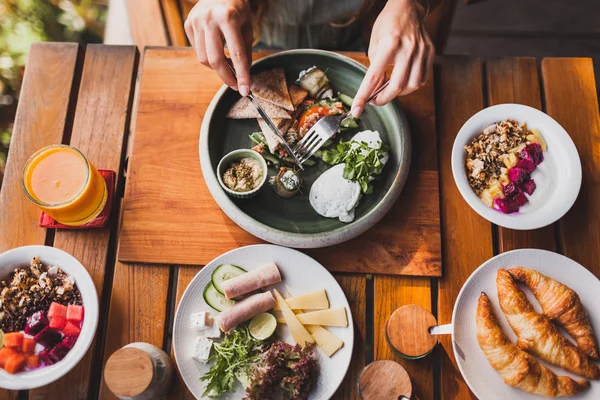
(46, 375)
(533, 219)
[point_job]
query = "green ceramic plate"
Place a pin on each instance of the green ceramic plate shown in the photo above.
(293, 222)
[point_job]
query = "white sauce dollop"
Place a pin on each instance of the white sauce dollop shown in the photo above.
(334, 196)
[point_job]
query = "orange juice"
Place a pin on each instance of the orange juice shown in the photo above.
(63, 183)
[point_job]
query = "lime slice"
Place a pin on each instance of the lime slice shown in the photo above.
(262, 326)
(1, 338)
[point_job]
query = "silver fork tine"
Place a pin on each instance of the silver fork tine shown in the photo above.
(304, 139)
(308, 142)
(312, 149)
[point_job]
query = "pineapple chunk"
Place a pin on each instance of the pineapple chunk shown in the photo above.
(487, 198)
(496, 190)
(504, 179)
(511, 160)
(536, 137)
(517, 149)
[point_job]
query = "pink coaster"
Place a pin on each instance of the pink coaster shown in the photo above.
(101, 220)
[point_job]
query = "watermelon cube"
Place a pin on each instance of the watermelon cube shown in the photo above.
(57, 310)
(71, 330)
(57, 323)
(74, 313)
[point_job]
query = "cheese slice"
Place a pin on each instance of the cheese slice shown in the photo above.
(298, 331)
(330, 317)
(326, 340)
(309, 301)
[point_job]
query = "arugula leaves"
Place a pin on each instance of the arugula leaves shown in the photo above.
(363, 163)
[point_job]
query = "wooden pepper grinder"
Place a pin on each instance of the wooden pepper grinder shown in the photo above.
(383, 380)
(139, 371)
(408, 331)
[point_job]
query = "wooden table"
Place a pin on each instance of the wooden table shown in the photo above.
(87, 97)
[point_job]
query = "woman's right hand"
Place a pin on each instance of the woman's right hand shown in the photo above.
(213, 23)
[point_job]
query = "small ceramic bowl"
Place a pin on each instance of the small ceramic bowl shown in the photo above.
(558, 177)
(234, 156)
(21, 257)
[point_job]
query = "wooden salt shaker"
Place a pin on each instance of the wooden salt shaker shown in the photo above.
(139, 371)
(408, 331)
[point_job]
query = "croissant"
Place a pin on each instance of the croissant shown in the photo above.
(537, 333)
(517, 367)
(561, 304)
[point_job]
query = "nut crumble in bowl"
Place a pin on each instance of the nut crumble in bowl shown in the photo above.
(499, 163)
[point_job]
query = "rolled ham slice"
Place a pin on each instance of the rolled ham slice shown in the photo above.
(244, 310)
(251, 281)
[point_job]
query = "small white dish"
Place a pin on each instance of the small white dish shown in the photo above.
(558, 177)
(481, 377)
(300, 274)
(237, 155)
(20, 257)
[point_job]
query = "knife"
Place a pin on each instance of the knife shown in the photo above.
(268, 120)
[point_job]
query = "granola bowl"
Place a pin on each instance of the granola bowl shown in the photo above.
(516, 166)
(69, 281)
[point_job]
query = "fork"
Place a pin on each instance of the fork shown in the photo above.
(323, 130)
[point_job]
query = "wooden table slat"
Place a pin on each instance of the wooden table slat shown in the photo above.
(515, 80)
(174, 22)
(571, 99)
(467, 237)
(99, 129)
(138, 309)
(42, 116)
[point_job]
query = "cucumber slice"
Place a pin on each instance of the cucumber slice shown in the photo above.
(347, 100)
(257, 137)
(349, 122)
(223, 273)
(271, 159)
(215, 299)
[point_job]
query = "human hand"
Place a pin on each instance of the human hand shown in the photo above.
(399, 39)
(209, 25)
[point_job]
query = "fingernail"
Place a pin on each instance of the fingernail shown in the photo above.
(356, 111)
(244, 91)
(234, 88)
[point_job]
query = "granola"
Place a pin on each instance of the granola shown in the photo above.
(31, 289)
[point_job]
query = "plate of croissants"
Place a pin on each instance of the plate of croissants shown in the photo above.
(525, 325)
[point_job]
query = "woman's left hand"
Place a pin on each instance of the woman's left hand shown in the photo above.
(399, 39)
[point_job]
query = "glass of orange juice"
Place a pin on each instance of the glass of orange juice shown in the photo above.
(65, 184)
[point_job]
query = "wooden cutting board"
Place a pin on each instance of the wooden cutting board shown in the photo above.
(169, 216)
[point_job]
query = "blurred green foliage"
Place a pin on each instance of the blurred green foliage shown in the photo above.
(23, 22)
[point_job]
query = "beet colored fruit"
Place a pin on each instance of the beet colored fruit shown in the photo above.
(48, 337)
(510, 189)
(536, 152)
(518, 175)
(35, 323)
(60, 350)
(520, 199)
(526, 164)
(45, 358)
(506, 205)
(529, 187)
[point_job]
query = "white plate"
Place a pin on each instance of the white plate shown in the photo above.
(483, 380)
(21, 257)
(558, 177)
(301, 274)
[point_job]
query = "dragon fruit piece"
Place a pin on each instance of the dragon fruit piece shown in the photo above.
(520, 199)
(529, 187)
(518, 175)
(48, 337)
(45, 358)
(59, 352)
(510, 189)
(506, 205)
(526, 164)
(69, 341)
(35, 323)
(536, 152)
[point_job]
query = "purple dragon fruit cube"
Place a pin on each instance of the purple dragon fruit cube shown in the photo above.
(510, 189)
(59, 352)
(529, 187)
(45, 358)
(518, 175)
(69, 341)
(526, 164)
(35, 323)
(536, 152)
(506, 205)
(520, 199)
(48, 337)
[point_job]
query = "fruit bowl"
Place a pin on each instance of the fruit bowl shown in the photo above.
(21, 256)
(558, 177)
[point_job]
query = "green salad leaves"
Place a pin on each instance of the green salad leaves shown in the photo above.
(363, 163)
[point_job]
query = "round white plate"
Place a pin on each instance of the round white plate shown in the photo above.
(558, 177)
(483, 380)
(301, 274)
(21, 257)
